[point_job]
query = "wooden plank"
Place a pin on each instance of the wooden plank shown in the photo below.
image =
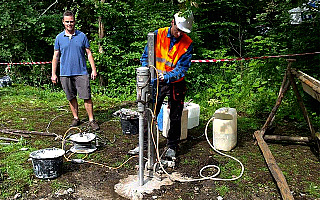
(310, 91)
(309, 84)
(273, 167)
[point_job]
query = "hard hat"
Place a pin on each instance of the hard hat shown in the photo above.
(184, 24)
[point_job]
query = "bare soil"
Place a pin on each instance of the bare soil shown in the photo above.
(89, 181)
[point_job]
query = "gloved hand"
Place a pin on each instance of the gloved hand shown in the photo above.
(161, 77)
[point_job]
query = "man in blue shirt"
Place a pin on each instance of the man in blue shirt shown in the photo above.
(173, 58)
(70, 48)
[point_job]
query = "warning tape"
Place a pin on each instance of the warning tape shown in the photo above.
(252, 58)
(26, 63)
(195, 61)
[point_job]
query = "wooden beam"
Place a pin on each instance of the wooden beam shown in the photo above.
(273, 167)
(301, 104)
(270, 118)
(308, 80)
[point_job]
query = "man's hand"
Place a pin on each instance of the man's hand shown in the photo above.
(161, 77)
(54, 79)
(93, 74)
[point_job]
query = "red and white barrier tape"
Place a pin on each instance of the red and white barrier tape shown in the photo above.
(195, 61)
(26, 63)
(252, 58)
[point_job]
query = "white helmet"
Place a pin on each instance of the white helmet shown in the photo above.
(184, 24)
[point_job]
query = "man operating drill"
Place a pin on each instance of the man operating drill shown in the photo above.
(173, 58)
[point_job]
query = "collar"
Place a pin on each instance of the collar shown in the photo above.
(71, 35)
(169, 32)
(172, 37)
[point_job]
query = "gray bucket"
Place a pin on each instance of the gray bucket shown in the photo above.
(47, 163)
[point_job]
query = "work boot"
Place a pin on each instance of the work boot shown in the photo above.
(75, 122)
(170, 154)
(94, 124)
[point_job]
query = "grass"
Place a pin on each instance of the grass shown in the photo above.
(28, 108)
(15, 168)
(22, 108)
(312, 189)
(222, 190)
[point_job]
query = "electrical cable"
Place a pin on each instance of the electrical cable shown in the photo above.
(85, 161)
(212, 177)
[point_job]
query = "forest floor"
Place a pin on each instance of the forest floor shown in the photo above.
(89, 181)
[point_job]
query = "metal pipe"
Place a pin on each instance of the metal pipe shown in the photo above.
(141, 164)
(143, 75)
(151, 64)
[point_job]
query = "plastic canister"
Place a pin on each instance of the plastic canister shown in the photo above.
(225, 129)
(166, 122)
(193, 114)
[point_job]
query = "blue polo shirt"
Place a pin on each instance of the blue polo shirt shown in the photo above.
(72, 53)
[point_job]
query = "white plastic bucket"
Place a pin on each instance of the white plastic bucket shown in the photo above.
(225, 129)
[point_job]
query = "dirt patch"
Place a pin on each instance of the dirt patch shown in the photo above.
(92, 181)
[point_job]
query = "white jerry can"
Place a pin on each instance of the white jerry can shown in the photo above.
(166, 122)
(189, 119)
(225, 129)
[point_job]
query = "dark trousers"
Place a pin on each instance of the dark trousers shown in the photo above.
(176, 93)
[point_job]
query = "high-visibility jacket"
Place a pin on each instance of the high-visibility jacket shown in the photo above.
(166, 60)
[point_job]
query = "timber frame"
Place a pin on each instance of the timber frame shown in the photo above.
(312, 87)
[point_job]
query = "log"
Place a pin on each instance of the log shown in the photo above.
(287, 138)
(270, 118)
(5, 131)
(9, 139)
(5, 143)
(302, 107)
(28, 132)
(273, 167)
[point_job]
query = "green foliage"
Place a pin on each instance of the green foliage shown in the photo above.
(222, 29)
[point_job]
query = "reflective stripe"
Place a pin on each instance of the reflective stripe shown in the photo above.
(161, 71)
(162, 60)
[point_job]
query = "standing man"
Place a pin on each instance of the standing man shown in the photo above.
(70, 48)
(173, 59)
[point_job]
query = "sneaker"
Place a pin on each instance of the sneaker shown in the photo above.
(135, 151)
(94, 124)
(75, 122)
(170, 153)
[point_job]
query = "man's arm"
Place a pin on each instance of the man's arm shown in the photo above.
(181, 68)
(93, 66)
(55, 60)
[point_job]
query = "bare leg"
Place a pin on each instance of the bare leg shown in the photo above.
(89, 108)
(74, 107)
